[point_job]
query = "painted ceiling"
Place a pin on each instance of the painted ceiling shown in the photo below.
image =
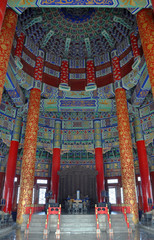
(77, 32)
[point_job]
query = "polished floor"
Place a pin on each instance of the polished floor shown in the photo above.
(139, 234)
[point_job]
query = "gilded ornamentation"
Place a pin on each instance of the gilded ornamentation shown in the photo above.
(146, 29)
(29, 154)
(126, 154)
(6, 40)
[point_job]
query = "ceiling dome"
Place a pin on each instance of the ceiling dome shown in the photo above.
(77, 33)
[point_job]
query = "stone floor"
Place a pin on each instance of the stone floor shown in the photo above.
(139, 234)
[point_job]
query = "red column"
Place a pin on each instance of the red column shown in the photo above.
(125, 143)
(145, 22)
(100, 175)
(2, 11)
(11, 166)
(30, 143)
(6, 40)
(55, 169)
(99, 159)
(9, 177)
(143, 162)
(56, 160)
(29, 154)
(144, 172)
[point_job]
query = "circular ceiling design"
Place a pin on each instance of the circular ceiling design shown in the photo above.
(77, 32)
(77, 15)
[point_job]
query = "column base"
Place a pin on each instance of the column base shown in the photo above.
(64, 87)
(90, 87)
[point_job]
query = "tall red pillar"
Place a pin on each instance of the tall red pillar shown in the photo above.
(30, 143)
(99, 160)
(145, 22)
(6, 39)
(11, 167)
(56, 160)
(2, 11)
(143, 164)
(125, 143)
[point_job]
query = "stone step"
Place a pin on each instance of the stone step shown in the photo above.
(38, 217)
(34, 236)
(78, 222)
(32, 224)
(77, 225)
(79, 229)
(36, 231)
(78, 216)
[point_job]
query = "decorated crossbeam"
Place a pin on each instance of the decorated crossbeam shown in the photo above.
(102, 3)
(77, 105)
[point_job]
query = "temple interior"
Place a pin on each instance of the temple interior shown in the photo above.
(76, 111)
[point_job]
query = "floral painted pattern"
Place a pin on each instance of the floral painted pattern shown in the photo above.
(145, 23)
(29, 154)
(6, 40)
(126, 153)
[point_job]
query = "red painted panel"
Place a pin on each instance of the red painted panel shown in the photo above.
(27, 68)
(77, 70)
(10, 174)
(103, 66)
(77, 85)
(102, 81)
(51, 80)
(31, 55)
(52, 66)
(144, 172)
